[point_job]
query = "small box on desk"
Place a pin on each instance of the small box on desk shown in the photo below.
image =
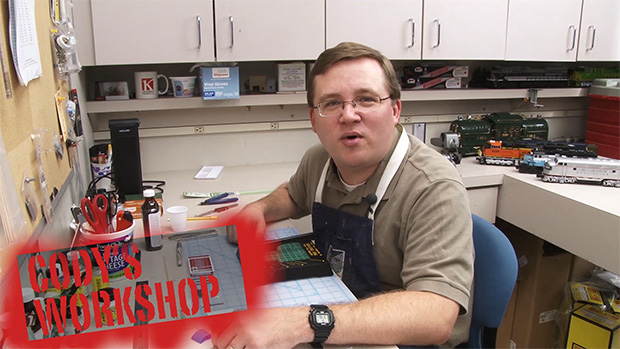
(134, 203)
(219, 82)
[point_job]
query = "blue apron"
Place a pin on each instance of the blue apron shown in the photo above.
(346, 239)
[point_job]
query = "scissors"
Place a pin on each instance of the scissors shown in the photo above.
(219, 199)
(96, 213)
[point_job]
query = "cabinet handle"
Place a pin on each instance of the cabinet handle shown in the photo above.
(593, 36)
(412, 32)
(574, 30)
(438, 33)
(199, 31)
(232, 31)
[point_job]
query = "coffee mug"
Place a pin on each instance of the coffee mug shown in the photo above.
(183, 86)
(147, 84)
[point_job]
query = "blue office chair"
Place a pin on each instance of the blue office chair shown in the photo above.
(495, 276)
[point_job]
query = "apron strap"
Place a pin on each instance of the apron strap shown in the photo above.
(318, 197)
(390, 170)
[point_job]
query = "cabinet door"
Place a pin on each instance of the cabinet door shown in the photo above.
(600, 31)
(267, 30)
(543, 30)
(152, 31)
(457, 29)
(393, 27)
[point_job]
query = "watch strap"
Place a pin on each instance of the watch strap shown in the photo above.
(321, 333)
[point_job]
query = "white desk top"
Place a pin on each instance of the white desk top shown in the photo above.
(583, 219)
(580, 218)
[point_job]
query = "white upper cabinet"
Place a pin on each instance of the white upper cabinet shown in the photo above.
(457, 29)
(268, 30)
(393, 27)
(543, 30)
(152, 31)
(600, 31)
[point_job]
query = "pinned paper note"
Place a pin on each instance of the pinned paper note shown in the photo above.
(209, 172)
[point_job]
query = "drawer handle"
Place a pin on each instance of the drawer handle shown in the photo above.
(199, 31)
(572, 29)
(592, 37)
(412, 33)
(232, 31)
(438, 33)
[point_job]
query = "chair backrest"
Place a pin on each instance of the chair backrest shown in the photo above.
(495, 276)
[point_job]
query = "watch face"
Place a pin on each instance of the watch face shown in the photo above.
(322, 318)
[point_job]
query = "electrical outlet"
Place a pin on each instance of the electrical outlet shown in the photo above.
(406, 120)
(199, 129)
(274, 126)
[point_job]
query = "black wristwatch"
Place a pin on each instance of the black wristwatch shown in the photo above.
(322, 322)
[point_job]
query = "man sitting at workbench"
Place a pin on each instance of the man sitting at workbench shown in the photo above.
(392, 211)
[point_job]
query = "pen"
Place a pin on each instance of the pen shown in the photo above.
(219, 201)
(209, 218)
(214, 199)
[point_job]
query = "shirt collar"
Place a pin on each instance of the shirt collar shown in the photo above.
(356, 196)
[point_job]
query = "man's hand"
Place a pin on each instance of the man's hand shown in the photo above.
(273, 207)
(251, 217)
(267, 328)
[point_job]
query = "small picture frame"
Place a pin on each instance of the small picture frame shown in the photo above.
(110, 91)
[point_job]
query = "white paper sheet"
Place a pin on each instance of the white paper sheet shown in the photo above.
(209, 172)
(24, 42)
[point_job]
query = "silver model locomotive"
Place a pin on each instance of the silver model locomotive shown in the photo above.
(585, 170)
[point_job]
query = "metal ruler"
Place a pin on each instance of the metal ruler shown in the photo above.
(5, 69)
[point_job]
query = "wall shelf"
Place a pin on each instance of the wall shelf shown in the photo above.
(171, 103)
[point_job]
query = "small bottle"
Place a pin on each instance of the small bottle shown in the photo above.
(32, 320)
(151, 221)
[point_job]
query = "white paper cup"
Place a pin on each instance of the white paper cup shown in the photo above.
(102, 170)
(183, 86)
(178, 218)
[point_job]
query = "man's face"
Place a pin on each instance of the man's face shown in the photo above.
(356, 141)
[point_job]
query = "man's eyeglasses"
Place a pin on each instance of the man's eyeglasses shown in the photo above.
(363, 104)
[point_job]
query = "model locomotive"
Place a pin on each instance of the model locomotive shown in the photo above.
(527, 153)
(473, 134)
(584, 170)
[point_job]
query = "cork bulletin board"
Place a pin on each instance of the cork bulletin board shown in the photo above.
(31, 110)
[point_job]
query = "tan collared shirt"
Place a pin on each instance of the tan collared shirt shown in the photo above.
(423, 229)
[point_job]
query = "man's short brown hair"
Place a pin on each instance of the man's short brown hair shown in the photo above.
(349, 51)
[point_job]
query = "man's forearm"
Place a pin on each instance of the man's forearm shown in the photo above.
(402, 317)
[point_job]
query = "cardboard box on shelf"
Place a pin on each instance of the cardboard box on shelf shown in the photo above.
(439, 82)
(219, 82)
(544, 270)
(592, 327)
(415, 76)
(504, 332)
(291, 77)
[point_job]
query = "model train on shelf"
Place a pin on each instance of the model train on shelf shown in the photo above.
(582, 170)
(473, 134)
(531, 153)
(468, 135)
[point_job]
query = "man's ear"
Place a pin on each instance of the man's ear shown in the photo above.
(396, 110)
(312, 113)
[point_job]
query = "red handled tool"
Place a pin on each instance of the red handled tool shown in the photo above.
(96, 213)
(217, 210)
(124, 220)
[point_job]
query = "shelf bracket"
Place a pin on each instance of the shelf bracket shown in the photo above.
(533, 97)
